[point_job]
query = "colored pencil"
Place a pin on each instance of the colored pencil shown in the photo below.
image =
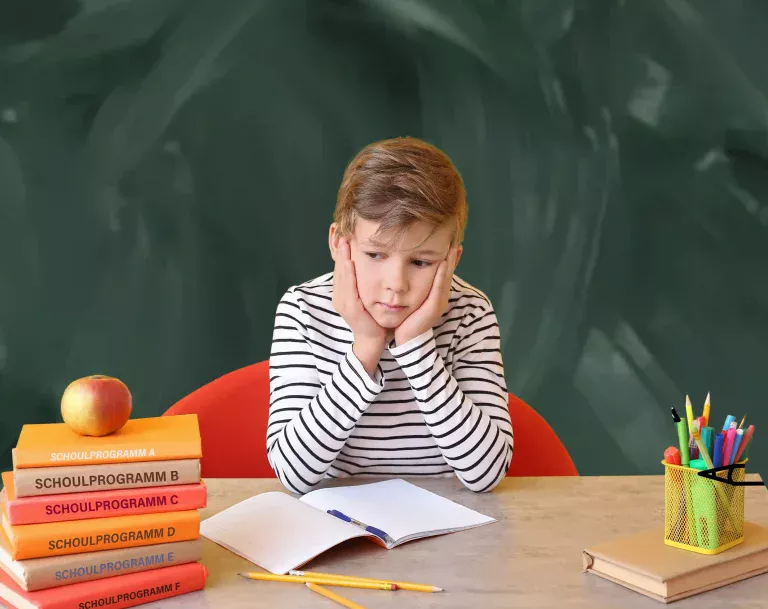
(400, 585)
(333, 596)
(293, 579)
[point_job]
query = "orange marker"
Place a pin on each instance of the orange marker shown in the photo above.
(672, 456)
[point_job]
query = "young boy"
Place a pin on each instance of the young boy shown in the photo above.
(391, 364)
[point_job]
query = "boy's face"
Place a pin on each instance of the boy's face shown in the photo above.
(394, 278)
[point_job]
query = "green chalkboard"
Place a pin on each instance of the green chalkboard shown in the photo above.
(168, 168)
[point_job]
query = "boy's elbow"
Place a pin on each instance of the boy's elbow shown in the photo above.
(491, 480)
(483, 486)
(296, 488)
(292, 483)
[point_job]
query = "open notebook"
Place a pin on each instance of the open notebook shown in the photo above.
(279, 532)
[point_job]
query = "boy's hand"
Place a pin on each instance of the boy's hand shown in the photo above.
(369, 337)
(429, 313)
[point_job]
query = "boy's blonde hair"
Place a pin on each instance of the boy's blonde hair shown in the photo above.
(398, 182)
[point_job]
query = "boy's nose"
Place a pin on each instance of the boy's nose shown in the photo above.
(396, 280)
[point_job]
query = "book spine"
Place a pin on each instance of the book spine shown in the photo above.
(163, 438)
(130, 590)
(157, 451)
(106, 504)
(51, 572)
(77, 536)
(80, 478)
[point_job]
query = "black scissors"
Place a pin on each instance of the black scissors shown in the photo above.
(712, 475)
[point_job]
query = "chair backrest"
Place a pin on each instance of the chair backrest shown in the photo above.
(233, 410)
(538, 450)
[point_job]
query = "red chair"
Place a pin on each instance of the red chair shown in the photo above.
(233, 409)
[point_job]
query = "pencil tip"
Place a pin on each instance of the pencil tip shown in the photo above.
(436, 589)
(243, 575)
(687, 400)
(707, 400)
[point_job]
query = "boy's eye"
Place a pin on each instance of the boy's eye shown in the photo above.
(422, 264)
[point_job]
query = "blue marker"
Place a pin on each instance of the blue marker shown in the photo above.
(736, 442)
(728, 420)
(717, 458)
(378, 532)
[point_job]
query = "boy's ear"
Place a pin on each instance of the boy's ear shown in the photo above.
(333, 239)
(459, 252)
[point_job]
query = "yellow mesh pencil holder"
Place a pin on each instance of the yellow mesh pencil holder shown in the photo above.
(701, 514)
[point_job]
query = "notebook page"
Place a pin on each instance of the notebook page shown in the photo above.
(397, 507)
(276, 531)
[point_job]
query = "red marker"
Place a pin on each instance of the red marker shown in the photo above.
(744, 441)
(672, 456)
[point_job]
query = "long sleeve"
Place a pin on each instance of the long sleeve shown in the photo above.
(465, 408)
(311, 412)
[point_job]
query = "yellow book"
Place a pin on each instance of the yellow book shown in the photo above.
(148, 439)
(77, 536)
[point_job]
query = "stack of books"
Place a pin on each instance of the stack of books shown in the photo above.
(102, 521)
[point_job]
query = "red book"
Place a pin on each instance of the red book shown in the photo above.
(100, 504)
(113, 592)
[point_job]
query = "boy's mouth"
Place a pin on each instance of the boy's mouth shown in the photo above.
(391, 308)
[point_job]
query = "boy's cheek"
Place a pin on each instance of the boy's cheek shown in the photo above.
(364, 290)
(421, 299)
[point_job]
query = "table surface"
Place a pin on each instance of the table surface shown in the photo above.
(530, 558)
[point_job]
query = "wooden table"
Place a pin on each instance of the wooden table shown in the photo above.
(530, 558)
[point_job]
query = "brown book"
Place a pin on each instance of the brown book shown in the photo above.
(53, 571)
(645, 564)
(36, 481)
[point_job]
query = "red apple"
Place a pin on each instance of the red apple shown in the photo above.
(96, 405)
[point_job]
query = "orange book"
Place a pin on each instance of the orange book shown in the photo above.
(76, 536)
(99, 504)
(116, 592)
(147, 439)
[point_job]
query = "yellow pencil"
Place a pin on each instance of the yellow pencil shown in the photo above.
(689, 412)
(294, 579)
(707, 407)
(333, 596)
(741, 425)
(400, 585)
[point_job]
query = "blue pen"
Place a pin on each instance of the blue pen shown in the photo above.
(378, 532)
(717, 458)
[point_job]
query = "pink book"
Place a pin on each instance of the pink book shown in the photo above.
(113, 592)
(100, 504)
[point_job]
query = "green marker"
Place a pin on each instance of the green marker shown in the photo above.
(704, 504)
(745, 454)
(708, 437)
(682, 436)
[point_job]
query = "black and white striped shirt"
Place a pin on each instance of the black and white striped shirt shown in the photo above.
(437, 405)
